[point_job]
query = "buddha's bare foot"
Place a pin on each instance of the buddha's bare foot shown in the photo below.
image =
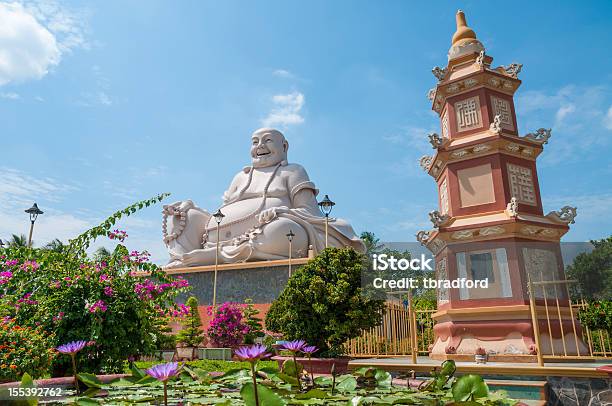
(173, 264)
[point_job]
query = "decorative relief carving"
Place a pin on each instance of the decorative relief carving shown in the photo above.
(442, 274)
(422, 236)
(527, 151)
(444, 197)
(459, 154)
(431, 94)
(495, 126)
(541, 136)
(501, 107)
(439, 73)
(521, 184)
(454, 88)
(512, 147)
(566, 215)
(470, 83)
(435, 246)
(438, 219)
(435, 140)
(512, 207)
(468, 114)
(481, 148)
(530, 230)
(445, 131)
(462, 235)
(425, 162)
(493, 230)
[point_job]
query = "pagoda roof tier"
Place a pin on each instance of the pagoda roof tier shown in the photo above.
(481, 144)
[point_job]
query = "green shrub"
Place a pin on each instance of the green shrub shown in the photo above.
(191, 334)
(323, 302)
(250, 314)
(119, 302)
(24, 349)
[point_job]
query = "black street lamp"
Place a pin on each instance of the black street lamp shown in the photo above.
(218, 218)
(33, 211)
(326, 206)
(290, 236)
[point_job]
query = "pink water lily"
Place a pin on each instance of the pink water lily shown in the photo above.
(163, 372)
(252, 353)
(72, 347)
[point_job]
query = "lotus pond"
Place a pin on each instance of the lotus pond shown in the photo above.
(365, 386)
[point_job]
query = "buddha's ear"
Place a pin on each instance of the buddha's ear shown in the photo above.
(285, 145)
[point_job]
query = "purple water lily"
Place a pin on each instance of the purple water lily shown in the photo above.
(72, 347)
(163, 372)
(252, 353)
(309, 349)
(294, 346)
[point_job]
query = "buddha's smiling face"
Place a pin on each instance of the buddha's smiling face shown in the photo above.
(268, 148)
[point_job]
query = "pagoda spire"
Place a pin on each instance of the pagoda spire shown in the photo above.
(464, 40)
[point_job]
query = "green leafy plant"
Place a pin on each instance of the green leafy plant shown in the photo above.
(323, 302)
(250, 313)
(117, 304)
(191, 334)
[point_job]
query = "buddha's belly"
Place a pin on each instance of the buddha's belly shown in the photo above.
(241, 216)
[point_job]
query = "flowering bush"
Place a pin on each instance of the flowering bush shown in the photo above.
(228, 327)
(23, 349)
(118, 304)
(191, 334)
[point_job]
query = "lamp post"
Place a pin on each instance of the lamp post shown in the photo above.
(218, 218)
(33, 211)
(326, 206)
(290, 236)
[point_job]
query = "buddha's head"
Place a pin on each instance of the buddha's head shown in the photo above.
(268, 147)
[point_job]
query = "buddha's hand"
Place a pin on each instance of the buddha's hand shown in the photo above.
(267, 215)
(178, 207)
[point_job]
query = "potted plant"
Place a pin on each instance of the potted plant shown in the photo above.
(480, 356)
(250, 314)
(167, 347)
(226, 331)
(191, 335)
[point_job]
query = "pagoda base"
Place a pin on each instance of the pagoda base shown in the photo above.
(505, 332)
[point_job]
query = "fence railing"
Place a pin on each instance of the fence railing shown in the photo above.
(402, 330)
(559, 335)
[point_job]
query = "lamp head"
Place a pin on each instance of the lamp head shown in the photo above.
(218, 216)
(326, 205)
(34, 211)
(290, 235)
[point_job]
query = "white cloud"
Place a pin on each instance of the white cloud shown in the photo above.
(282, 73)
(607, 121)
(286, 110)
(33, 37)
(10, 96)
(563, 112)
(27, 49)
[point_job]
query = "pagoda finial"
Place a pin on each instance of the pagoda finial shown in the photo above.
(463, 31)
(464, 40)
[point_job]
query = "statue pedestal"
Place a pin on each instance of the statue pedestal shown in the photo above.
(261, 281)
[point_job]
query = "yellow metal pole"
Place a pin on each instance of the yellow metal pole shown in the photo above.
(413, 336)
(326, 225)
(534, 321)
(216, 266)
(290, 258)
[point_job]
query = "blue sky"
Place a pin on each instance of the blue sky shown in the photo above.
(106, 103)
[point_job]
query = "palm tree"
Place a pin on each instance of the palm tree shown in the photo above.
(18, 241)
(102, 254)
(56, 245)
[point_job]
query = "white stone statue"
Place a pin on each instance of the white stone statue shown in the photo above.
(263, 203)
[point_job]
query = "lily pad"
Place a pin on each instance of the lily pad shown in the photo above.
(469, 387)
(266, 396)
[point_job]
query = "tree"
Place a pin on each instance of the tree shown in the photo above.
(56, 245)
(323, 302)
(250, 314)
(371, 242)
(191, 334)
(593, 271)
(102, 254)
(18, 241)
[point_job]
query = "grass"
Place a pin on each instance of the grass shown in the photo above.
(209, 365)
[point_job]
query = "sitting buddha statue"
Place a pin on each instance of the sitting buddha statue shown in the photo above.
(264, 202)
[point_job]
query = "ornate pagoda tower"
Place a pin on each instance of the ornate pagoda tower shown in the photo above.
(490, 223)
